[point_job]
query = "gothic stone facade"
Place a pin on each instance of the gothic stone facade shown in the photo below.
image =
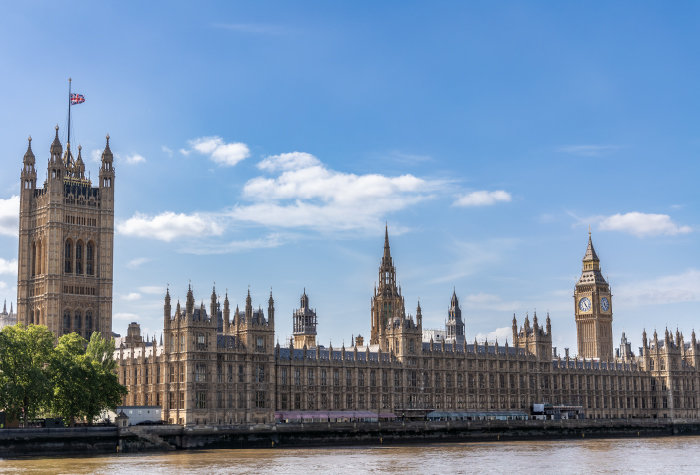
(211, 369)
(66, 239)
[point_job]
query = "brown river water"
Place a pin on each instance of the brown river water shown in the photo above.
(679, 455)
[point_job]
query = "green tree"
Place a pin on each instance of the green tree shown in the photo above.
(24, 383)
(84, 377)
(69, 377)
(104, 391)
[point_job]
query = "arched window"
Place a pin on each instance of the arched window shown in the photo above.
(39, 250)
(66, 322)
(77, 323)
(88, 323)
(79, 258)
(68, 257)
(90, 261)
(33, 259)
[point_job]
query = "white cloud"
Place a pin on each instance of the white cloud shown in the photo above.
(643, 224)
(96, 156)
(272, 240)
(166, 150)
(137, 262)
(308, 194)
(8, 267)
(131, 159)
(168, 226)
(288, 161)
(501, 334)
(9, 216)
(482, 198)
(588, 150)
(470, 258)
(683, 287)
(152, 290)
(129, 317)
(225, 154)
(134, 158)
(130, 297)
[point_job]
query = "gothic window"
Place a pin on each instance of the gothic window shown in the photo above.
(77, 323)
(90, 259)
(201, 400)
(68, 258)
(66, 322)
(38, 258)
(200, 373)
(260, 399)
(88, 323)
(260, 374)
(79, 258)
(33, 259)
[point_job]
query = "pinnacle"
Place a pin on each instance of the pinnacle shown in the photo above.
(590, 250)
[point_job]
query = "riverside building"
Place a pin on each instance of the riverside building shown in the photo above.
(220, 366)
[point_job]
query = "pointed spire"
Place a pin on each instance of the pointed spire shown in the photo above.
(56, 148)
(29, 158)
(590, 250)
(4, 307)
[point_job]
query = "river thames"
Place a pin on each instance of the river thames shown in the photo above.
(660, 455)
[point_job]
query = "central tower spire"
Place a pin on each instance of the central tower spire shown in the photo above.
(387, 302)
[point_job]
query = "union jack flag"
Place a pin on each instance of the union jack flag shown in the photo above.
(77, 99)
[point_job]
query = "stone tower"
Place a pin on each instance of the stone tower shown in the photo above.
(455, 324)
(387, 302)
(593, 307)
(66, 241)
(304, 322)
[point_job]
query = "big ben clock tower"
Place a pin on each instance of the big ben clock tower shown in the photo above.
(593, 307)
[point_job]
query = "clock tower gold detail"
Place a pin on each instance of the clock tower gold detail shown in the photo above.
(593, 307)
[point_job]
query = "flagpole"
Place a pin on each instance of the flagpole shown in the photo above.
(69, 101)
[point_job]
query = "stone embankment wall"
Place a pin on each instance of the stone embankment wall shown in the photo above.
(96, 440)
(323, 434)
(57, 441)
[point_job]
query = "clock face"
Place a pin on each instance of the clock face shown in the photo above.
(604, 304)
(584, 304)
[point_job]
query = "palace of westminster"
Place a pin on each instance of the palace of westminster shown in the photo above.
(219, 365)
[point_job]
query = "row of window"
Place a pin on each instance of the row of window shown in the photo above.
(79, 255)
(77, 322)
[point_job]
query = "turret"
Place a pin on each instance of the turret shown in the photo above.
(548, 325)
(419, 316)
(515, 331)
(248, 308)
(28, 174)
(79, 167)
(271, 310)
(227, 312)
(56, 169)
(189, 304)
(213, 307)
(107, 168)
(166, 309)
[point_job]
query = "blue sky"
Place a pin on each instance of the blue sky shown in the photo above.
(265, 144)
